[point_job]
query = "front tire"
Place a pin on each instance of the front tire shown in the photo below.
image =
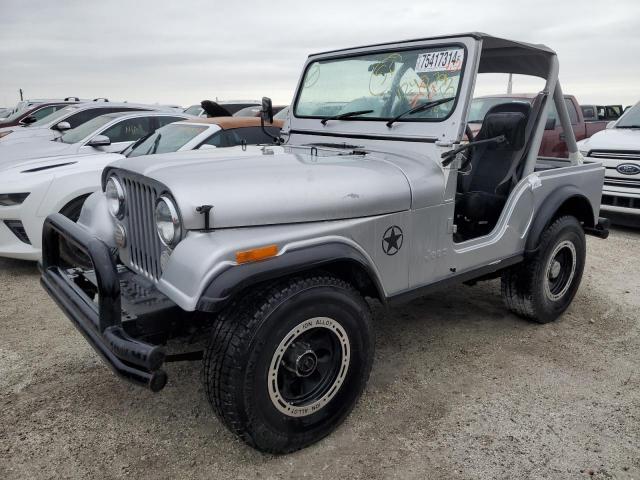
(543, 286)
(285, 365)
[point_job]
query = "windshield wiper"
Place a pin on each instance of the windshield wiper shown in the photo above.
(340, 116)
(420, 108)
(627, 126)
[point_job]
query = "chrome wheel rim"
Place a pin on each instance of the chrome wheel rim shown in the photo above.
(560, 270)
(308, 367)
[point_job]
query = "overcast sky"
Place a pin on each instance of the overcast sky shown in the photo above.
(188, 50)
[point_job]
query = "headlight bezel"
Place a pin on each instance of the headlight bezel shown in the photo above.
(173, 218)
(120, 197)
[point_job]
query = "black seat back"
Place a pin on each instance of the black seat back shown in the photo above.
(491, 164)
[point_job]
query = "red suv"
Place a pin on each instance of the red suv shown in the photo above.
(33, 113)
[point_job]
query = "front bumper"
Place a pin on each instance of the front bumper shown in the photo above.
(100, 320)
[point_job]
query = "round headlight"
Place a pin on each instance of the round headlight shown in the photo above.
(167, 221)
(115, 197)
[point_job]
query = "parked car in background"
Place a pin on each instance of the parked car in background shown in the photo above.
(601, 113)
(618, 148)
(282, 114)
(553, 141)
(33, 113)
(67, 118)
(206, 133)
(112, 132)
(231, 106)
(32, 189)
(255, 111)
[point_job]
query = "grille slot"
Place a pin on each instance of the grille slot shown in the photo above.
(620, 182)
(616, 155)
(626, 202)
(144, 245)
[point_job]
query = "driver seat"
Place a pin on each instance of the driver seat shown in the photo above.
(483, 191)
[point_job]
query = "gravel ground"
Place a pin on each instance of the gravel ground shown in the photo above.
(460, 389)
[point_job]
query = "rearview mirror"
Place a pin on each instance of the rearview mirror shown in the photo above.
(28, 120)
(551, 124)
(267, 110)
(62, 126)
(99, 141)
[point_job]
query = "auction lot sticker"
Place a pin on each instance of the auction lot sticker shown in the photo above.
(439, 61)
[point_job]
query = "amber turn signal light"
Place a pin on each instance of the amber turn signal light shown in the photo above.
(256, 254)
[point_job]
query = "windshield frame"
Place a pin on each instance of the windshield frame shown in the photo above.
(406, 119)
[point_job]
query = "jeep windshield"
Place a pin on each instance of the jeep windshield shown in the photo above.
(384, 85)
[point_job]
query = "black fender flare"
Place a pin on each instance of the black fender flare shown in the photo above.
(222, 288)
(567, 195)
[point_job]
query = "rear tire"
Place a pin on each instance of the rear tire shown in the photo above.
(285, 365)
(543, 286)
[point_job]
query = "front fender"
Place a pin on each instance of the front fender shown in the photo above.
(202, 273)
(234, 280)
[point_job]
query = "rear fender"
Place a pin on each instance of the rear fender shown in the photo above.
(566, 200)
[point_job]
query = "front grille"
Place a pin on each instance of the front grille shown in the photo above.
(621, 182)
(18, 230)
(616, 155)
(143, 246)
(626, 202)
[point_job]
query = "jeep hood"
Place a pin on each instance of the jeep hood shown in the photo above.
(281, 187)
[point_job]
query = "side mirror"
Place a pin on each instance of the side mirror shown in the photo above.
(62, 126)
(267, 110)
(28, 120)
(610, 124)
(551, 124)
(99, 141)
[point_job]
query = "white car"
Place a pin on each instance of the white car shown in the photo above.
(112, 132)
(32, 189)
(618, 148)
(205, 133)
(52, 126)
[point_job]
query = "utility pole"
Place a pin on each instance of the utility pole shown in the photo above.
(21, 97)
(510, 84)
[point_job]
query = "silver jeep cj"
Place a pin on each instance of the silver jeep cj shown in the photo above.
(378, 189)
